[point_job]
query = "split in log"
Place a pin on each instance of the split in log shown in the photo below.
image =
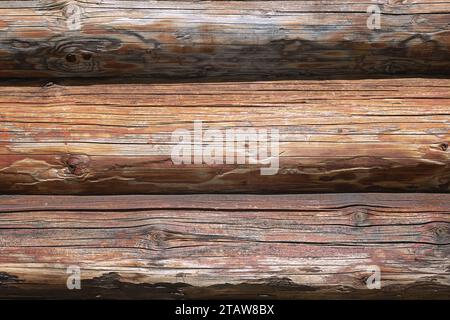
(226, 246)
(222, 39)
(334, 136)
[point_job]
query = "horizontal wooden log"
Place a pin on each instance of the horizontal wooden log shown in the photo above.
(335, 136)
(226, 246)
(222, 39)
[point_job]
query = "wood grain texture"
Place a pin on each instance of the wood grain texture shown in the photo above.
(222, 39)
(69, 137)
(226, 246)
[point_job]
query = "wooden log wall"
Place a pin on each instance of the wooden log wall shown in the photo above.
(92, 91)
(222, 39)
(222, 246)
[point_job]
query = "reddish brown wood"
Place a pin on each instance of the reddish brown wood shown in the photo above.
(222, 246)
(222, 39)
(71, 137)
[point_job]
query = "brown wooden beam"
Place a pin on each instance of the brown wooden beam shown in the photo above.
(72, 137)
(222, 39)
(226, 246)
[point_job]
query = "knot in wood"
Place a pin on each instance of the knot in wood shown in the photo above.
(360, 217)
(442, 234)
(77, 164)
(79, 54)
(157, 237)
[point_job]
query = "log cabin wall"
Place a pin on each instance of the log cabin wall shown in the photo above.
(91, 93)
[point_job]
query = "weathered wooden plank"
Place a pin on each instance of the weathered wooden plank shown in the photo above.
(335, 136)
(222, 246)
(222, 39)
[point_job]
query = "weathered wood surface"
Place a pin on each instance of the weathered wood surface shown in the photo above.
(222, 246)
(222, 39)
(335, 136)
